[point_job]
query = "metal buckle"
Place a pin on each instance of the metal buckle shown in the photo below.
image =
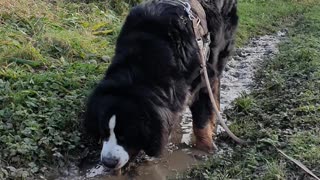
(187, 8)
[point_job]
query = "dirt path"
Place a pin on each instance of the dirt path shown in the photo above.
(239, 73)
(238, 77)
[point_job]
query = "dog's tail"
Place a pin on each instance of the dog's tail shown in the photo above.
(228, 10)
(226, 7)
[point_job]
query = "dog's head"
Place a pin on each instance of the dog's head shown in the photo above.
(124, 126)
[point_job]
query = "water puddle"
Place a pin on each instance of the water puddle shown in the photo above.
(180, 154)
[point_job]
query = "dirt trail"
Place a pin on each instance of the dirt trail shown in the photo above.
(237, 78)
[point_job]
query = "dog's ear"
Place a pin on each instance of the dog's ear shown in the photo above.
(158, 132)
(95, 108)
(149, 131)
(90, 122)
(91, 125)
(153, 150)
(157, 143)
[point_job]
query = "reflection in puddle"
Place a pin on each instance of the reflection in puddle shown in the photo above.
(186, 127)
(168, 166)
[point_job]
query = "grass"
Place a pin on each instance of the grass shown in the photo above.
(260, 17)
(283, 110)
(54, 51)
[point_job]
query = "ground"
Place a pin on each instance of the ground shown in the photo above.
(54, 51)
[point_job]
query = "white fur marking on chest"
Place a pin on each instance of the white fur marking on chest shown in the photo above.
(112, 125)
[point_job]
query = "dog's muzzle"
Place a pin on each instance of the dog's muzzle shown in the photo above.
(113, 156)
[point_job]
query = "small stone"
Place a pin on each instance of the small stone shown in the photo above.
(227, 68)
(248, 51)
(92, 61)
(268, 51)
(201, 157)
(231, 64)
(241, 54)
(237, 58)
(105, 58)
(236, 74)
(282, 33)
(238, 51)
(11, 168)
(223, 86)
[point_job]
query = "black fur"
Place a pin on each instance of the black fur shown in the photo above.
(147, 85)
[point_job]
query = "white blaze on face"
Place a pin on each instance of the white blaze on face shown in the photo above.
(111, 149)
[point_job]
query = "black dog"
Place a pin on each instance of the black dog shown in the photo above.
(148, 86)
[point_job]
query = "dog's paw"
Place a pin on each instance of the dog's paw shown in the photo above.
(206, 146)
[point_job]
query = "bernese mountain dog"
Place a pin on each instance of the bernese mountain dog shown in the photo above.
(149, 82)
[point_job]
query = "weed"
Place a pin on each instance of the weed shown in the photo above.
(244, 103)
(274, 170)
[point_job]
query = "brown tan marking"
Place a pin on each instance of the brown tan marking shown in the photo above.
(205, 136)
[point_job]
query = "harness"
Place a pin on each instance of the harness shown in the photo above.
(198, 17)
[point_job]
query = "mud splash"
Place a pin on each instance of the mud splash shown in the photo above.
(180, 155)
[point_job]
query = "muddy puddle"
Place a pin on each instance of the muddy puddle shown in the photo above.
(180, 154)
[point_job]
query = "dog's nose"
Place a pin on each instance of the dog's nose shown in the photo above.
(110, 162)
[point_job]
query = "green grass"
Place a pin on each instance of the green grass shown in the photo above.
(53, 52)
(260, 17)
(283, 110)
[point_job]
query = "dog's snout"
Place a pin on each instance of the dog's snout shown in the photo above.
(110, 162)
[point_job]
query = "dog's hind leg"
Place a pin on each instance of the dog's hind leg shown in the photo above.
(204, 119)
